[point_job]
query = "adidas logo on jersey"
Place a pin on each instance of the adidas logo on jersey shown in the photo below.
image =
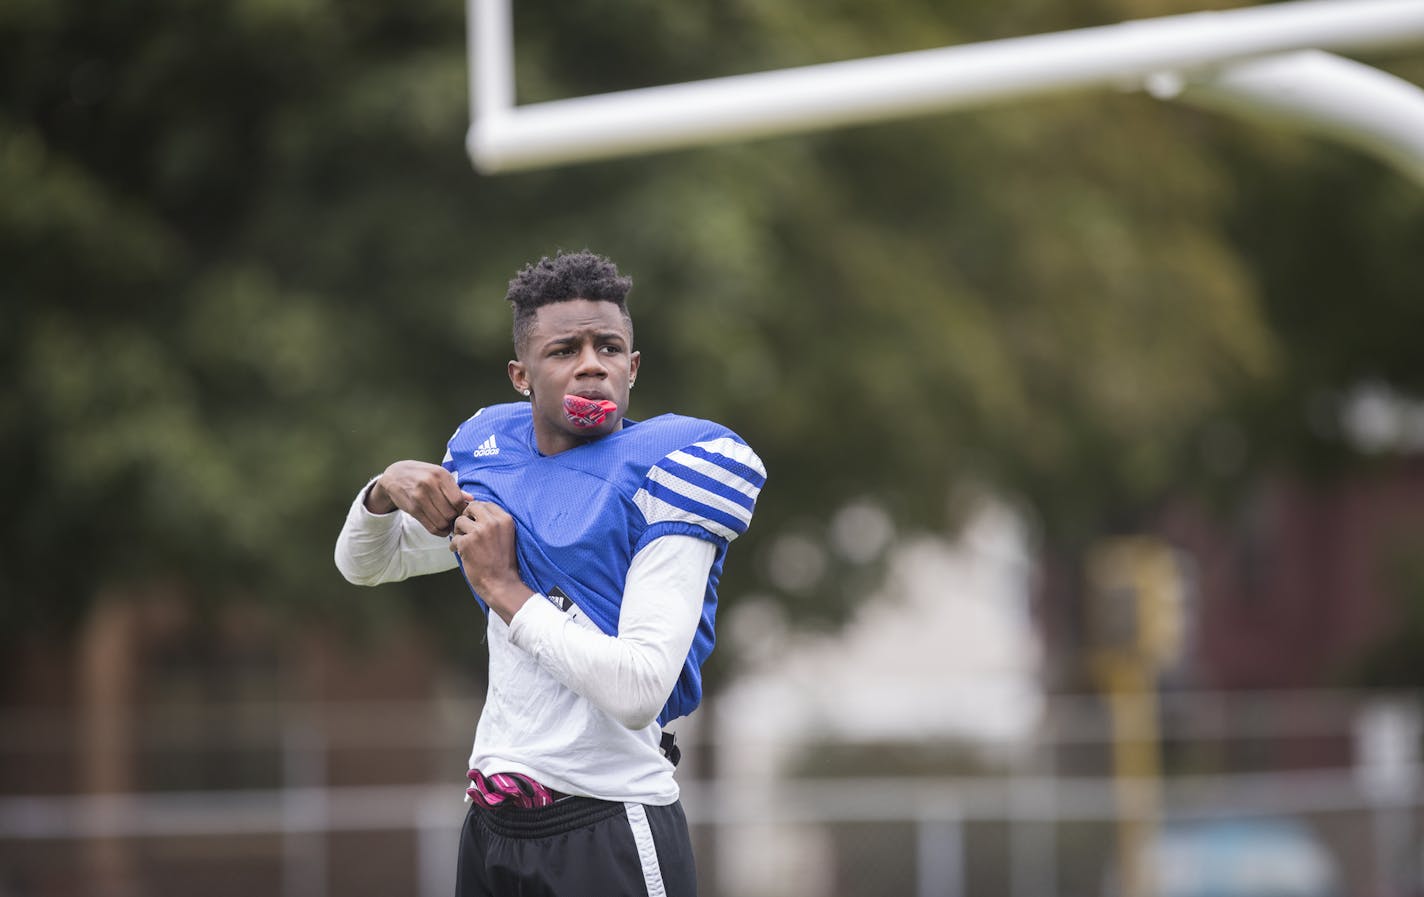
(487, 448)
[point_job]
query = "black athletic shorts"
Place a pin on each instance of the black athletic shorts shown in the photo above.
(579, 847)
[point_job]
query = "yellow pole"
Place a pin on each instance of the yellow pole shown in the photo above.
(1132, 702)
(1138, 606)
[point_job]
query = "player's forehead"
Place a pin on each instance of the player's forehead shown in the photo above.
(578, 319)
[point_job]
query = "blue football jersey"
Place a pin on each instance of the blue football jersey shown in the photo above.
(584, 513)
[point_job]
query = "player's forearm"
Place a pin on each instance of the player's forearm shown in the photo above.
(631, 675)
(376, 548)
(626, 677)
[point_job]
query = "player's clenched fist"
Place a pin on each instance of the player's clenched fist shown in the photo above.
(427, 492)
(483, 539)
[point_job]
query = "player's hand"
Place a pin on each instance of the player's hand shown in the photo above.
(427, 492)
(483, 539)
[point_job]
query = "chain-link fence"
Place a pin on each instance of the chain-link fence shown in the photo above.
(1287, 794)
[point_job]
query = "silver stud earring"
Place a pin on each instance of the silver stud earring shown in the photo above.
(526, 392)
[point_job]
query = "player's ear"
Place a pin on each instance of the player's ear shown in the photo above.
(519, 377)
(634, 359)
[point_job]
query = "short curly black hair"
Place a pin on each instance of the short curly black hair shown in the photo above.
(566, 276)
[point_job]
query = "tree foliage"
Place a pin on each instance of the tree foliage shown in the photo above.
(247, 265)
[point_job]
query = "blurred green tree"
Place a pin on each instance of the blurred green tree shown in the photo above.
(247, 264)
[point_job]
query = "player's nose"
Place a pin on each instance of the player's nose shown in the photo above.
(590, 363)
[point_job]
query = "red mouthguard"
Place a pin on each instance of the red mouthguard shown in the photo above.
(586, 413)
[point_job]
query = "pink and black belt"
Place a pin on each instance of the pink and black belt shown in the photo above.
(510, 789)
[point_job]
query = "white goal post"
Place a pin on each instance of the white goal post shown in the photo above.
(1262, 62)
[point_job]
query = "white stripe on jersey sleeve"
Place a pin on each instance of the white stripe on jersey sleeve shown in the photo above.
(656, 510)
(448, 456)
(698, 494)
(737, 451)
(731, 449)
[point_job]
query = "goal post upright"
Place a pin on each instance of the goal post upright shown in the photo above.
(1333, 97)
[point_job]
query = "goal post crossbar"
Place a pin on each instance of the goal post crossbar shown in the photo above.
(1202, 56)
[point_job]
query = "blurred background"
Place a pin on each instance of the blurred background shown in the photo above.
(1092, 557)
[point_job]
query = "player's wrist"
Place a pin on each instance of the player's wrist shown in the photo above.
(378, 500)
(507, 599)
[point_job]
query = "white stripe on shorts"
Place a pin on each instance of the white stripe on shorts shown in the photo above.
(647, 850)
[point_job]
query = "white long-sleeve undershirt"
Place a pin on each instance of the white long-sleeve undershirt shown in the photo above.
(378, 548)
(630, 675)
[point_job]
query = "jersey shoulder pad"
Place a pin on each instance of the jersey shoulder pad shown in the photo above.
(710, 485)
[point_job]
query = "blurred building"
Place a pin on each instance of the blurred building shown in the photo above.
(937, 673)
(1301, 583)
